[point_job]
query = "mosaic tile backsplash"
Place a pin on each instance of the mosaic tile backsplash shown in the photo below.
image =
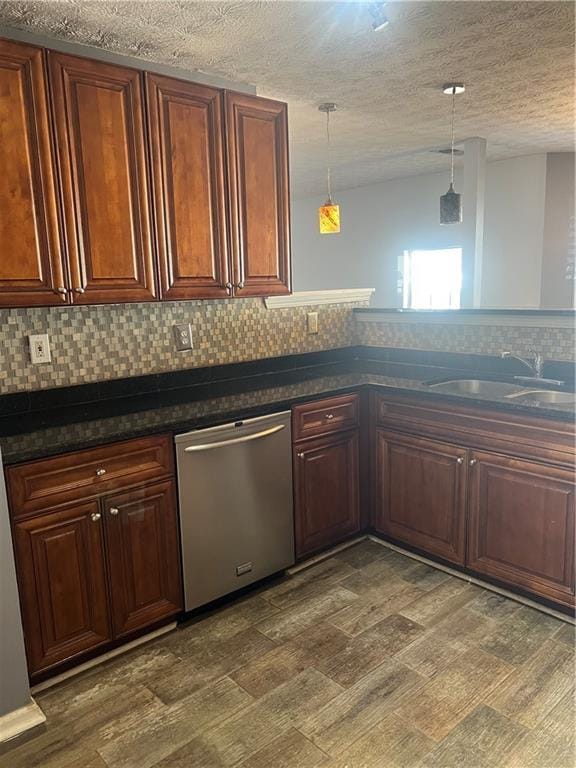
(97, 343)
(553, 343)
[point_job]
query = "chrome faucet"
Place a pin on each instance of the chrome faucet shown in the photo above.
(536, 368)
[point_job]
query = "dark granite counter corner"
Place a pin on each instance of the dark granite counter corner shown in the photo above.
(208, 399)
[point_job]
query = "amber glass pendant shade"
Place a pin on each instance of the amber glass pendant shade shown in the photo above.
(329, 218)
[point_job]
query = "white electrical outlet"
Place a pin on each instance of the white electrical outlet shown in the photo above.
(39, 348)
(183, 336)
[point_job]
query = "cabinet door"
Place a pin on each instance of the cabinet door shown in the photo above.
(61, 576)
(185, 123)
(521, 527)
(143, 556)
(100, 138)
(421, 493)
(31, 266)
(257, 134)
(327, 507)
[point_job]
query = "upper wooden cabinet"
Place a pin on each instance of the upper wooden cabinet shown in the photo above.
(31, 264)
(79, 156)
(186, 138)
(99, 122)
(257, 143)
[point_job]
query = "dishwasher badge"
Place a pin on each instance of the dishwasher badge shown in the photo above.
(244, 568)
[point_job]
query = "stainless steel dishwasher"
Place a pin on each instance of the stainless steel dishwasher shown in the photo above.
(236, 513)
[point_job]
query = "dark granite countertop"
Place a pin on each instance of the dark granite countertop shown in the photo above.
(57, 430)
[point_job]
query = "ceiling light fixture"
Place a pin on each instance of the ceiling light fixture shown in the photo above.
(379, 18)
(451, 202)
(329, 213)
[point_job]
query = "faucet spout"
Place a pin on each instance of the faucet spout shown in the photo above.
(536, 368)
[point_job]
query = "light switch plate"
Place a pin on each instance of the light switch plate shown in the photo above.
(39, 348)
(183, 336)
(312, 322)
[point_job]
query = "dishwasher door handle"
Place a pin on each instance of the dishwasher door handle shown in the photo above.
(234, 440)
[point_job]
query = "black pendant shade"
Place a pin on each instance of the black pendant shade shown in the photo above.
(451, 207)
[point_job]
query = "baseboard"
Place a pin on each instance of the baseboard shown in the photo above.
(97, 660)
(473, 580)
(15, 724)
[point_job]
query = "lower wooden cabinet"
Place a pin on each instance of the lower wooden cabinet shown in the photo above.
(421, 493)
(521, 524)
(93, 570)
(143, 556)
(62, 580)
(327, 506)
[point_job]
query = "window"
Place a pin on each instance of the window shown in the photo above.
(432, 279)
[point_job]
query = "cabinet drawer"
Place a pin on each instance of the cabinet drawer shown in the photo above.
(73, 476)
(324, 416)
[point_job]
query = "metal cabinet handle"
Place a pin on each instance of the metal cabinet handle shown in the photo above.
(300, 455)
(472, 462)
(234, 440)
(78, 290)
(329, 416)
(61, 290)
(114, 510)
(240, 285)
(460, 460)
(95, 516)
(100, 472)
(229, 287)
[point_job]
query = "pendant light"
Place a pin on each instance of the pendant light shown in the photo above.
(329, 213)
(451, 202)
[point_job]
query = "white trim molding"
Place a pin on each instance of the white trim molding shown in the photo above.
(310, 298)
(519, 320)
(21, 720)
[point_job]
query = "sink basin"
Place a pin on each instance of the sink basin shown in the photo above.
(478, 387)
(546, 396)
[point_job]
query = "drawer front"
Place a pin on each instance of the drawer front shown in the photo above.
(473, 426)
(37, 485)
(325, 416)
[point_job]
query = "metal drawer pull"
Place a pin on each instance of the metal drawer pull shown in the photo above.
(114, 510)
(240, 285)
(460, 460)
(473, 462)
(95, 516)
(61, 290)
(329, 416)
(300, 455)
(78, 290)
(100, 472)
(234, 440)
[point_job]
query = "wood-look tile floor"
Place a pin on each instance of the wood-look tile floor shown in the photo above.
(366, 660)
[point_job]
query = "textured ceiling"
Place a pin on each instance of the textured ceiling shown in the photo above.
(516, 59)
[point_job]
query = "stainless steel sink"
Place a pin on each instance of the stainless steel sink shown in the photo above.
(478, 387)
(547, 396)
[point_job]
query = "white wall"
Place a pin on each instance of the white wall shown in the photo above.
(513, 232)
(379, 222)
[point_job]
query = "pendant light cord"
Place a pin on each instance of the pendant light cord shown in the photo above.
(328, 169)
(452, 146)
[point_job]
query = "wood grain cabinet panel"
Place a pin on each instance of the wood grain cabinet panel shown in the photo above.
(186, 143)
(99, 121)
(143, 556)
(327, 504)
(257, 146)
(421, 493)
(61, 574)
(37, 485)
(521, 528)
(31, 263)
